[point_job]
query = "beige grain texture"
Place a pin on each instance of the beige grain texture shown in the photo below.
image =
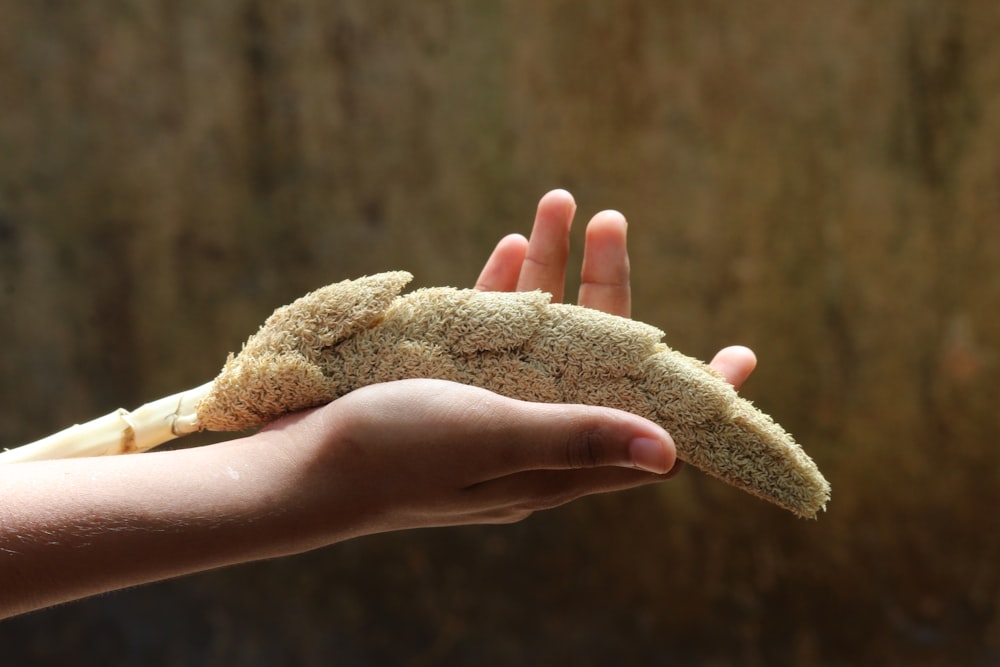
(360, 332)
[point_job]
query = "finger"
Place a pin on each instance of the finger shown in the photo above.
(736, 363)
(504, 435)
(502, 269)
(544, 265)
(533, 436)
(605, 275)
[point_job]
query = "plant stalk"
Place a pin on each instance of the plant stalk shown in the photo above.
(120, 432)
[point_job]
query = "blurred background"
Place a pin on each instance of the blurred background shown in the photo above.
(818, 181)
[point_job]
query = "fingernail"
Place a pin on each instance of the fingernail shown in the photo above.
(649, 454)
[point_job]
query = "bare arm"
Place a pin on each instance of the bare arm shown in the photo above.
(408, 454)
(401, 455)
(75, 527)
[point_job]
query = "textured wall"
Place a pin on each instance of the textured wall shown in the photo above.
(816, 180)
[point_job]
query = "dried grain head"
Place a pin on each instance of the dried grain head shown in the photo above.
(361, 332)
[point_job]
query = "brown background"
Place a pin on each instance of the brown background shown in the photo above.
(816, 180)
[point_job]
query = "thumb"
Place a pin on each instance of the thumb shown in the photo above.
(556, 436)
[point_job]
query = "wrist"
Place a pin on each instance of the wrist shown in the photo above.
(309, 496)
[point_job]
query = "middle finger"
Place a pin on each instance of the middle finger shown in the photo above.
(544, 266)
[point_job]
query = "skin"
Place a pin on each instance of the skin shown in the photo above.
(401, 455)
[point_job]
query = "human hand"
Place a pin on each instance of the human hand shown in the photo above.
(406, 454)
(427, 453)
(519, 264)
(420, 453)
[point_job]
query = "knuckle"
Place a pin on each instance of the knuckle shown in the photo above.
(586, 449)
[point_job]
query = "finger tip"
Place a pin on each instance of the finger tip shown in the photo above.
(653, 454)
(515, 239)
(558, 199)
(610, 214)
(735, 363)
(744, 354)
(501, 270)
(607, 222)
(558, 193)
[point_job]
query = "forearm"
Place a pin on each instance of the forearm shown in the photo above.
(77, 527)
